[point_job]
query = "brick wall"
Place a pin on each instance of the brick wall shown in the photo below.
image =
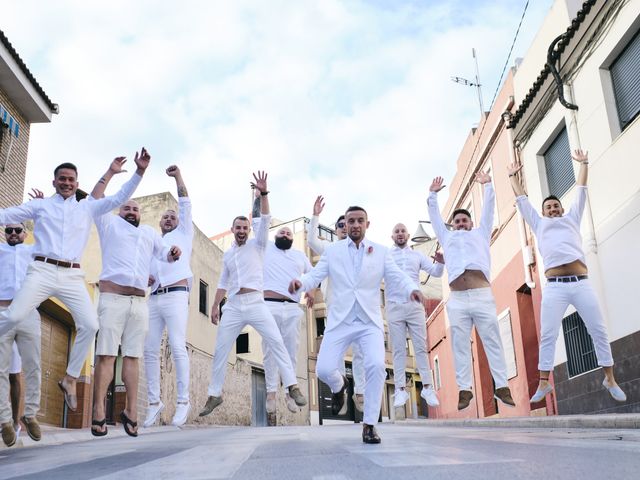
(13, 175)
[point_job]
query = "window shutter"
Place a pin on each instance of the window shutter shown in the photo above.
(625, 75)
(558, 164)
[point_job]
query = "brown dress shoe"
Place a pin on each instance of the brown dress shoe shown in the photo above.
(212, 402)
(33, 428)
(464, 398)
(504, 395)
(8, 434)
(369, 434)
(338, 399)
(298, 397)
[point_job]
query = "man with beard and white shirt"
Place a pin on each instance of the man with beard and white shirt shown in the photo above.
(403, 315)
(24, 339)
(560, 244)
(242, 278)
(355, 267)
(169, 307)
(467, 255)
(62, 226)
(123, 315)
(318, 245)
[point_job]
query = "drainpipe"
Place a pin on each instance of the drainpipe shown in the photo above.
(590, 241)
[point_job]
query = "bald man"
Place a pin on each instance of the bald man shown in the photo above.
(123, 315)
(404, 315)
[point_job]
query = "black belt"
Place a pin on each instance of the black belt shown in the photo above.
(281, 300)
(568, 278)
(57, 263)
(179, 288)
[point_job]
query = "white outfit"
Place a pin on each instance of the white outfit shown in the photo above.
(127, 252)
(355, 316)
(243, 268)
(357, 366)
(469, 250)
(20, 346)
(280, 267)
(171, 309)
(61, 230)
(560, 242)
(403, 315)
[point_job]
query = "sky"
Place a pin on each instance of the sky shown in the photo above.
(349, 99)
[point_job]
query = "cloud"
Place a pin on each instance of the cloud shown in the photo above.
(350, 99)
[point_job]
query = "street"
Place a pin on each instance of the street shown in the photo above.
(336, 453)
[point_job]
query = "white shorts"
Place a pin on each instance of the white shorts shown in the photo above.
(16, 361)
(124, 321)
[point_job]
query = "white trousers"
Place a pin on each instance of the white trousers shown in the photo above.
(400, 318)
(357, 369)
(555, 300)
(27, 337)
(370, 339)
(477, 307)
(170, 310)
(44, 280)
(287, 316)
(239, 311)
(16, 361)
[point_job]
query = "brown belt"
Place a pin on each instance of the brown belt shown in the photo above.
(57, 263)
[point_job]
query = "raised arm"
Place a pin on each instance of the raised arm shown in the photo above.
(260, 184)
(115, 168)
(437, 223)
(315, 243)
(516, 184)
(19, 213)
(488, 202)
(582, 157)
(255, 211)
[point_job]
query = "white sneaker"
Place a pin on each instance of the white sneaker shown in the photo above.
(181, 415)
(153, 413)
(18, 428)
(429, 395)
(291, 404)
(271, 405)
(541, 393)
(400, 398)
(615, 391)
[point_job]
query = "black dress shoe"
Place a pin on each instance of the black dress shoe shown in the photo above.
(369, 434)
(338, 399)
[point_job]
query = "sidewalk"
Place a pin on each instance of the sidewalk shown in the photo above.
(609, 420)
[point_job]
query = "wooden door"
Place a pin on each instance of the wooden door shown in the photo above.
(55, 354)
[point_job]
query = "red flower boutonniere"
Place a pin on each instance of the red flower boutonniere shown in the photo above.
(370, 250)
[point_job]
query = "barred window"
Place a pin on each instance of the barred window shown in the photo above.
(559, 166)
(581, 356)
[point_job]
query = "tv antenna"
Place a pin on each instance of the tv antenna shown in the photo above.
(476, 83)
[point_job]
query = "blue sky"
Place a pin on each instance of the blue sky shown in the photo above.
(351, 99)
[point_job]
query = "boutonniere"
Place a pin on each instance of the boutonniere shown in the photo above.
(370, 250)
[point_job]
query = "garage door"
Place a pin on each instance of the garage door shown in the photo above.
(55, 352)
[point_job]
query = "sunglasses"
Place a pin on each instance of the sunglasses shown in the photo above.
(10, 230)
(340, 224)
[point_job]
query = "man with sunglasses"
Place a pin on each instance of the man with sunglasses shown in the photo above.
(127, 251)
(15, 257)
(62, 227)
(318, 245)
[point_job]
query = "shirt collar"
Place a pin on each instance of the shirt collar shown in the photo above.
(363, 244)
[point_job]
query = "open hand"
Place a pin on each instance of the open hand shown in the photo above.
(260, 182)
(483, 177)
(117, 164)
(142, 159)
(437, 184)
(318, 205)
(310, 299)
(35, 193)
(580, 156)
(513, 168)
(438, 257)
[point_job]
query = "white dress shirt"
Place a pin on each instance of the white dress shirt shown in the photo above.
(315, 243)
(62, 226)
(559, 238)
(164, 273)
(243, 265)
(127, 251)
(13, 268)
(282, 266)
(410, 262)
(465, 249)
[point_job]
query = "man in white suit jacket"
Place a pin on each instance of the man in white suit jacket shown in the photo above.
(355, 267)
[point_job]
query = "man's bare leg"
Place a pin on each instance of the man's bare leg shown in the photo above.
(130, 377)
(102, 379)
(15, 394)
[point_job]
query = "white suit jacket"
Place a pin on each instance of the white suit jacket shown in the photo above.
(346, 288)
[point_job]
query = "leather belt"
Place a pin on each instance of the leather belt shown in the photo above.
(281, 300)
(57, 263)
(568, 278)
(178, 288)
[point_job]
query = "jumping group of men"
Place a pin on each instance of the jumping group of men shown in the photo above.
(261, 285)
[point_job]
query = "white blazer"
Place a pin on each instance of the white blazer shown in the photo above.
(346, 288)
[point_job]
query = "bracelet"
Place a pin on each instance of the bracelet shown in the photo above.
(586, 162)
(513, 174)
(264, 194)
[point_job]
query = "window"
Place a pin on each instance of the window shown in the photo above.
(559, 166)
(436, 373)
(203, 304)
(320, 324)
(506, 335)
(581, 356)
(625, 76)
(242, 343)
(11, 123)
